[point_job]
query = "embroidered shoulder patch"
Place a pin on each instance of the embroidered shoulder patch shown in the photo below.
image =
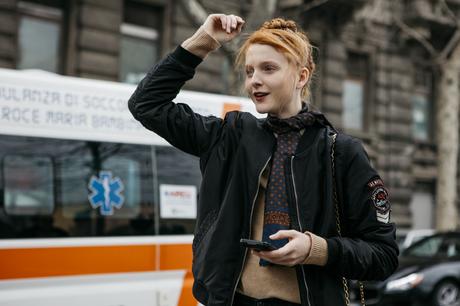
(379, 197)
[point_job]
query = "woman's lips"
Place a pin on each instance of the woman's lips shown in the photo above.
(260, 96)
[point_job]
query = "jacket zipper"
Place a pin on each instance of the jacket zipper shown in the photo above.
(250, 229)
(300, 225)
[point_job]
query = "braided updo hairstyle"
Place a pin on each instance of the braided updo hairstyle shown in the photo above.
(285, 37)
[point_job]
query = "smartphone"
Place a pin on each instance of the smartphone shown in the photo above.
(257, 245)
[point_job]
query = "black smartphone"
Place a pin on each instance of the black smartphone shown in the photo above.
(257, 245)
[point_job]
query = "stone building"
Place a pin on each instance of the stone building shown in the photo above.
(372, 80)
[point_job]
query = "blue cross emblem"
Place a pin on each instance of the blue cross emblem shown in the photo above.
(106, 193)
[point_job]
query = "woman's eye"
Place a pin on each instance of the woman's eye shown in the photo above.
(269, 68)
(249, 72)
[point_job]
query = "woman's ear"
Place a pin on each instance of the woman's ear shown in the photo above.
(304, 77)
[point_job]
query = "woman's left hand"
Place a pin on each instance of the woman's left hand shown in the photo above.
(293, 253)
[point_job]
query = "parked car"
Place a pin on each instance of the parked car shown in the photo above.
(405, 238)
(428, 275)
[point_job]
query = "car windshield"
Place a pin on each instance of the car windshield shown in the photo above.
(435, 246)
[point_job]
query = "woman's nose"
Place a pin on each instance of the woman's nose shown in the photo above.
(255, 80)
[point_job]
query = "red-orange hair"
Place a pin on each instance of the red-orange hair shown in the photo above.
(285, 37)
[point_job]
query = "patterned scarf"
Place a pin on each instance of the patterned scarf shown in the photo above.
(276, 213)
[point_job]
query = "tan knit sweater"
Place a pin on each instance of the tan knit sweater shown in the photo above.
(274, 281)
(268, 281)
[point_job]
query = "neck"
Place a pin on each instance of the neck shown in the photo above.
(290, 110)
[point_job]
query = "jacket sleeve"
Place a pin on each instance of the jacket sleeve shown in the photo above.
(152, 104)
(367, 249)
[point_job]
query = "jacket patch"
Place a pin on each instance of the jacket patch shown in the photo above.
(380, 199)
(375, 182)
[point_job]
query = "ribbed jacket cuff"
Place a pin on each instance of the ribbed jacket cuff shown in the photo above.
(318, 251)
(333, 252)
(186, 58)
(201, 43)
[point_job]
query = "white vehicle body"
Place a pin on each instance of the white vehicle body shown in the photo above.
(57, 244)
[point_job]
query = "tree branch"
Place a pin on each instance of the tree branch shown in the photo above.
(372, 12)
(311, 5)
(257, 16)
(455, 38)
(198, 15)
(194, 9)
(417, 36)
(452, 44)
(450, 12)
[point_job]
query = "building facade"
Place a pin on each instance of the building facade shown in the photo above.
(372, 80)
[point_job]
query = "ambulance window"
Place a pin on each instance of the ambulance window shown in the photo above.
(75, 165)
(131, 171)
(28, 183)
(179, 179)
(128, 172)
(107, 189)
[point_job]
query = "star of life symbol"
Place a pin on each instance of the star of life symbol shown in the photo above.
(106, 193)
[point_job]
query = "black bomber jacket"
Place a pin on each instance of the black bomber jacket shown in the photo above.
(233, 153)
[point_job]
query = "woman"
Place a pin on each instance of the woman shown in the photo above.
(271, 179)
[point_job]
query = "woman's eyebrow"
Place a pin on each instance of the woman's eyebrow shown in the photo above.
(268, 63)
(262, 64)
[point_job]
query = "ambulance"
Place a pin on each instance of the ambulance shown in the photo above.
(95, 210)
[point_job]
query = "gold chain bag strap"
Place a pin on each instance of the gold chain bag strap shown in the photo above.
(337, 221)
